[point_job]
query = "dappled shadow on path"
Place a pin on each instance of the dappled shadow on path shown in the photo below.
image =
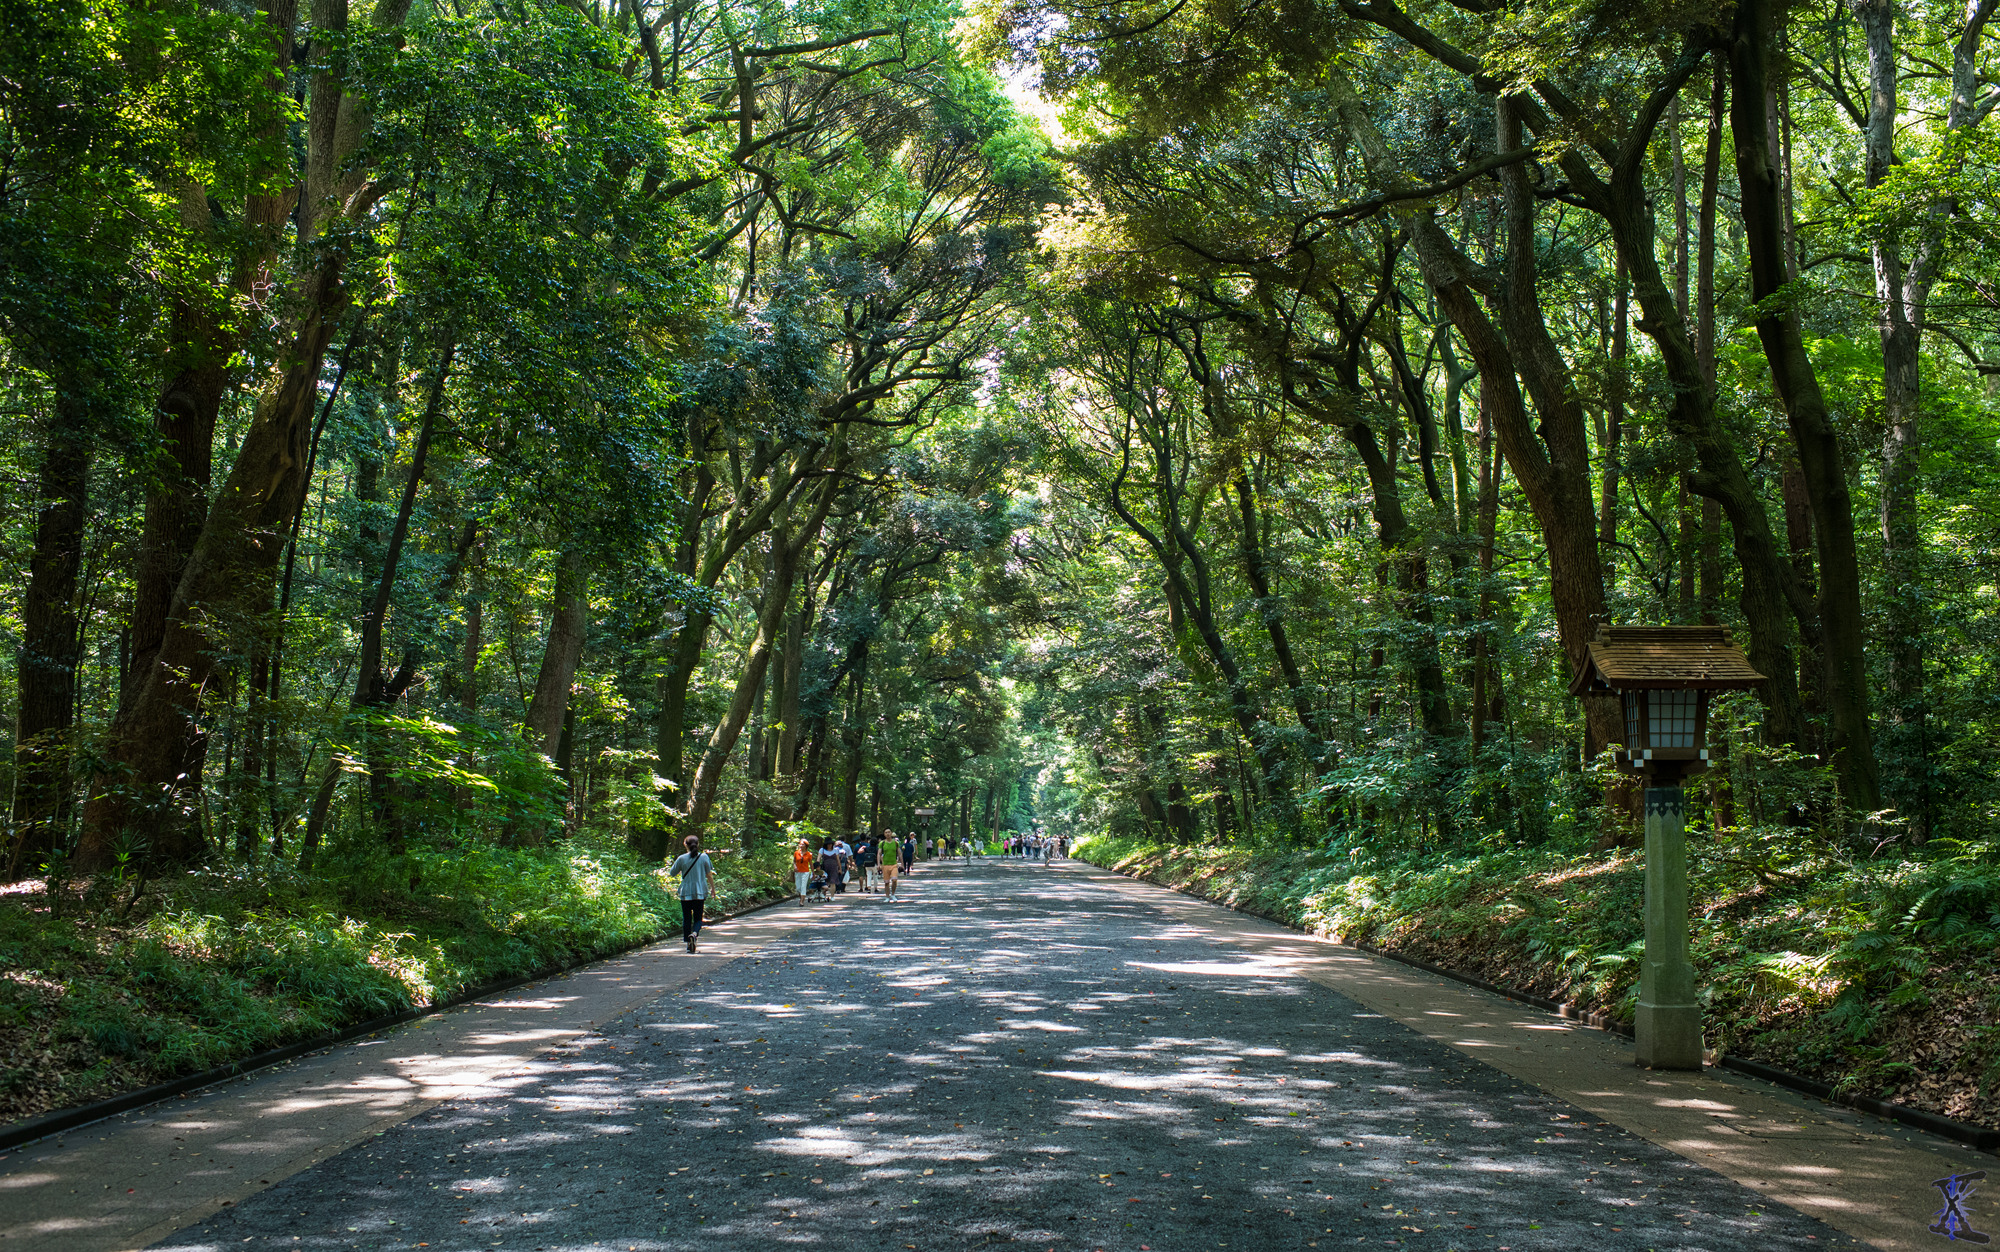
(1009, 1055)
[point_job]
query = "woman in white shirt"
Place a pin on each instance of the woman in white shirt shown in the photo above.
(694, 869)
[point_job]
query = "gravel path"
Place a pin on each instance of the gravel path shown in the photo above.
(1010, 1054)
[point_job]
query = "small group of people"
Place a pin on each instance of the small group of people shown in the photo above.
(818, 874)
(1036, 846)
(874, 864)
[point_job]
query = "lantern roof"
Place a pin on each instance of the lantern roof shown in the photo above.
(1664, 658)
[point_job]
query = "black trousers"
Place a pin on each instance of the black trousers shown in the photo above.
(691, 918)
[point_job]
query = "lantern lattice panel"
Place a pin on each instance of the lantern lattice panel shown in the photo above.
(1673, 719)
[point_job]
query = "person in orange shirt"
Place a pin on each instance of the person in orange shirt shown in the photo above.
(802, 864)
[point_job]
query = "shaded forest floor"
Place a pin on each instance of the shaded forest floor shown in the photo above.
(212, 967)
(1880, 977)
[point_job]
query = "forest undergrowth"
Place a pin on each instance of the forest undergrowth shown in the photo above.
(126, 984)
(1878, 976)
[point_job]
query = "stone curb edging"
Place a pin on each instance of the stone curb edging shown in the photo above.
(1980, 1138)
(21, 1133)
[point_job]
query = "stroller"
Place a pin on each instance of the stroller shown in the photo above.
(816, 889)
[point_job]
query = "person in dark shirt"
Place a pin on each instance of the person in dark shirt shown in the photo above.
(830, 865)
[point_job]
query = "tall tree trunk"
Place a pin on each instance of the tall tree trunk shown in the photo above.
(1901, 330)
(468, 678)
(1567, 514)
(1183, 614)
(177, 496)
(276, 676)
(569, 620)
(797, 631)
(1433, 697)
(791, 538)
(704, 556)
(566, 754)
(1488, 523)
(757, 769)
(811, 770)
(670, 744)
(854, 747)
(1765, 221)
(200, 348)
(1794, 499)
(51, 635)
(1549, 458)
(1685, 510)
(152, 768)
(258, 728)
(1771, 600)
(1902, 291)
(1704, 322)
(374, 688)
(1250, 546)
(1614, 428)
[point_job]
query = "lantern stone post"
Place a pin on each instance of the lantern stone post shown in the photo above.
(1665, 675)
(1667, 1026)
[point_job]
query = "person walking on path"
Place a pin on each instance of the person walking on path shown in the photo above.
(829, 862)
(865, 858)
(891, 865)
(694, 869)
(802, 868)
(846, 863)
(909, 852)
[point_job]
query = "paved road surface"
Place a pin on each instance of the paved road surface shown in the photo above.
(1010, 1055)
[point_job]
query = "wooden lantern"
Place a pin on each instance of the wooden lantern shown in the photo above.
(1665, 675)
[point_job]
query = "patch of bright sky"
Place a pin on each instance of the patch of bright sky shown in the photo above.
(1018, 81)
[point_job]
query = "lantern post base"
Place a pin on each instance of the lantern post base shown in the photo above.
(1667, 1027)
(1668, 1036)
